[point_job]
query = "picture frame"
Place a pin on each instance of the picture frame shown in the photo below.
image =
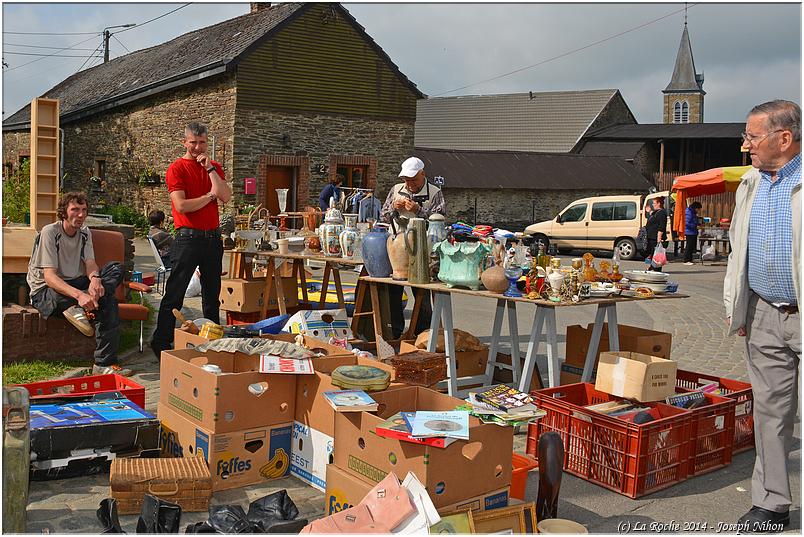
(530, 517)
(457, 522)
(504, 520)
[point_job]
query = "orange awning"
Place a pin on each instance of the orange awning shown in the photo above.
(714, 181)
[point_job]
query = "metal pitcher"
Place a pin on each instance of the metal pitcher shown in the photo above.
(418, 252)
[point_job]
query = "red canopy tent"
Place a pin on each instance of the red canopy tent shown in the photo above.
(714, 181)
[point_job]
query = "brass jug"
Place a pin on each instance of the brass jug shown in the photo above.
(418, 254)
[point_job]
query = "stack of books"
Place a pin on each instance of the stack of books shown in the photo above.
(431, 428)
(503, 405)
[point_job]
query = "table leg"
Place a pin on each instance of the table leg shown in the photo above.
(533, 346)
(495, 338)
(449, 344)
(414, 317)
(324, 286)
(513, 328)
(270, 269)
(299, 264)
(553, 361)
(614, 329)
(336, 275)
(594, 343)
(435, 323)
(280, 293)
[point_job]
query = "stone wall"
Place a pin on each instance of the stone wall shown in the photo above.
(694, 100)
(323, 141)
(512, 209)
(15, 145)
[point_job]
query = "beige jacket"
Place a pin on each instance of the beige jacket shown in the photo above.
(735, 285)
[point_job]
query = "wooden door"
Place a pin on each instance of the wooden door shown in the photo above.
(280, 177)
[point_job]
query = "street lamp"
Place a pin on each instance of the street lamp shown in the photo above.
(106, 35)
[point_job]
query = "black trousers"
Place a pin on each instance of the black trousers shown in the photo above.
(689, 251)
(107, 317)
(398, 311)
(186, 254)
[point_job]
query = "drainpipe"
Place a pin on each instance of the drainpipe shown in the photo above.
(61, 158)
(212, 156)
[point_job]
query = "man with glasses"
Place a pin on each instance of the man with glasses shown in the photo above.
(761, 292)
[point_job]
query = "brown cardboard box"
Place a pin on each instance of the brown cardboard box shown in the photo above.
(311, 407)
(632, 338)
(246, 295)
(636, 376)
(186, 340)
(346, 490)
(461, 470)
(235, 458)
(224, 403)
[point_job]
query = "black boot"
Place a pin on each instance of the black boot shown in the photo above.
(158, 516)
(107, 515)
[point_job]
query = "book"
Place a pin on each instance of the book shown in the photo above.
(395, 423)
(350, 401)
(507, 399)
(687, 400)
(408, 417)
(395, 427)
(270, 363)
(451, 424)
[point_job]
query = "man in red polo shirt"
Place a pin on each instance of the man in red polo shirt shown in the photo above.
(195, 183)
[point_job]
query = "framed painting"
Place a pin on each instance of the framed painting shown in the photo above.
(454, 523)
(505, 520)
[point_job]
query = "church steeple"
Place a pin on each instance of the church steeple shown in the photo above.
(683, 96)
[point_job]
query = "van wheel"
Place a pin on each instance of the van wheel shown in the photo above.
(540, 239)
(626, 248)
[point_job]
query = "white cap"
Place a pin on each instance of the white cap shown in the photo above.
(411, 167)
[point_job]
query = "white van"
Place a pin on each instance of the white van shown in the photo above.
(600, 223)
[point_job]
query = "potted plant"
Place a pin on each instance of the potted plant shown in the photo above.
(148, 177)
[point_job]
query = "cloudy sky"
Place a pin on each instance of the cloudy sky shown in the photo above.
(749, 53)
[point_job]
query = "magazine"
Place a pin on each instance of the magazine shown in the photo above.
(452, 424)
(351, 401)
(270, 363)
(508, 399)
(396, 427)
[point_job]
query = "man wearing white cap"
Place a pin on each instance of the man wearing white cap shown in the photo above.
(413, 198)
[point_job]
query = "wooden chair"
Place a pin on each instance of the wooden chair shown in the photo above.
(110, 246)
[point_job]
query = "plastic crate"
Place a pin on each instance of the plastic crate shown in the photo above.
(84, 386)
(733, 389)
(628, 458)
(522, 465)
(712, 439)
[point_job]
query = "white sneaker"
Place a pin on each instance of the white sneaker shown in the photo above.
(689, 263)
(110, 370)
(77, 317)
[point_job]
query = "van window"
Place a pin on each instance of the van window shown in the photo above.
(625, 210)
(576, 213)
(603, 211)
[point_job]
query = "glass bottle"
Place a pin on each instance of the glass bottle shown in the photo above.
(542, 259)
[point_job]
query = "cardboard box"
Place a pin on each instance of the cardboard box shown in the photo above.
(247, 295)
(310, 453)
(346, 490)
(235, 458)
(186, 340)
(461, 470)
(311, 407)
(636, 376)
(321, 324)
(632, 338)
(224, 403)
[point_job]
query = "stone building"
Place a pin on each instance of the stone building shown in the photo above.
(292, 95)
(683, 100)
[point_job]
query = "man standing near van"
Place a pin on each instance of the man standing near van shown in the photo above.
(195, 183)
(761, 293)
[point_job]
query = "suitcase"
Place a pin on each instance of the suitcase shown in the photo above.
(184, 481)
(16, 458)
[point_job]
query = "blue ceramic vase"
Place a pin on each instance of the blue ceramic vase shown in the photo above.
(375, 252)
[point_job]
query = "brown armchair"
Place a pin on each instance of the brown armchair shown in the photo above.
(110, 246)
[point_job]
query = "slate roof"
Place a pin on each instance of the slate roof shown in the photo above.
(531, 171)
(180, 61)
(657, 131)
(626, 150)
(684, 77)
(551, 121)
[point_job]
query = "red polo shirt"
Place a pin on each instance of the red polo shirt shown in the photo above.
(191, 177)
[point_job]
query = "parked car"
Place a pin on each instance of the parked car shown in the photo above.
(600, 223)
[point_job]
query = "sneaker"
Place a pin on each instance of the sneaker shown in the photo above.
(689, 263)
(77, 317)
(111, 369)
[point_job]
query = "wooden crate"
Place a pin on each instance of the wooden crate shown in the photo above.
(184, 481)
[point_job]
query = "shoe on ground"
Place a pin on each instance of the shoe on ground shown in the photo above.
(689, 263)
(114, 369)
(759, 520)
(157, 349)
(77, 317)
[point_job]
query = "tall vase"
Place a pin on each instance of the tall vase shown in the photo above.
(418, 253)
(375, 252)
(349, 236)
(461, 263)
(398, 254)
(330, 232)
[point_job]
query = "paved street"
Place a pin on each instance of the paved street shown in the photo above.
(699, 344)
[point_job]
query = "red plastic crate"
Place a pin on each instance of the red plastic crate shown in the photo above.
(83, 386)
(236, 317)
(628, 458)
(712, 439)
(733, 389)
(522, 465)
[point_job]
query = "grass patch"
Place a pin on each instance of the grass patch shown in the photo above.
(34, 371)
(130, 330)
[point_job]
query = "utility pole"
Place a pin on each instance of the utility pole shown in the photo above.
(106, 35)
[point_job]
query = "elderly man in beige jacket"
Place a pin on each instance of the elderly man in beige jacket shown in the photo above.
(761, 293)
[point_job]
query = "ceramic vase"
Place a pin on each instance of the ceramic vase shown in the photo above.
(375, 252)
(556, 281)
(461, 263)
(348, 238)
(330, 232)
(494, 279)
(398, 254)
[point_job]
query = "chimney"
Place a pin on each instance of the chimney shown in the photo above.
(259, 6)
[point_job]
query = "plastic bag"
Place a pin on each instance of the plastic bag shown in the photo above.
(659, 258)
(708, 253)
(194, 288)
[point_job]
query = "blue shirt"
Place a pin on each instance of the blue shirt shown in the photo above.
(770, 236)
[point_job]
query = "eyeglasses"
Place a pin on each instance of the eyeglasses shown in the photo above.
(756, 140)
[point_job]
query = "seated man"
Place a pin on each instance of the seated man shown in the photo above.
(162, 239)
(64, 278)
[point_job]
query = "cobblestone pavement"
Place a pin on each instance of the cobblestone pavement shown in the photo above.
(700, 344)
